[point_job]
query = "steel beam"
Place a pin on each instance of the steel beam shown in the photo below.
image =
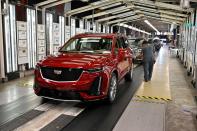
(160, 5)
(172, 7)
(125, 19)
(173, 18)
(162, 19)
(122, 8)
(161, 16)
(172, 13)
(56, 3)
(115, 16)
(111, 5)
(152, 13)
(92, 6)
(45, 2)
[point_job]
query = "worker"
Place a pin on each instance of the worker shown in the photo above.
(148, 60)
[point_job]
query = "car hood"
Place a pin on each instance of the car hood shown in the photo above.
(76, 60)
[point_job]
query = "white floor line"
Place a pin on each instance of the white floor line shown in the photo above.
(45, 107)
(74, 111)
(45, 118)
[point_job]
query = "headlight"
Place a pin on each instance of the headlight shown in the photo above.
(94, 70)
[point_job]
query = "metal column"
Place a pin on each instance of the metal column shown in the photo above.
(2, 69)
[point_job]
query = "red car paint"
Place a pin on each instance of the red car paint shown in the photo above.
(115, 61)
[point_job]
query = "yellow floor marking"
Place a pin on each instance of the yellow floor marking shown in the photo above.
(25, 83)
(158, 87)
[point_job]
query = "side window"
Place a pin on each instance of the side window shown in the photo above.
(73, 45)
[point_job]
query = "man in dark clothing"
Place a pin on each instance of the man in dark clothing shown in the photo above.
(148, 60)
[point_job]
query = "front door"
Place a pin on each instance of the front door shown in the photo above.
(123, 61)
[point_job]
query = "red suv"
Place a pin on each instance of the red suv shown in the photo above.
(88, 67)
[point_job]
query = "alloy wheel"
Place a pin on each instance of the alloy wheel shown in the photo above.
(113, 88)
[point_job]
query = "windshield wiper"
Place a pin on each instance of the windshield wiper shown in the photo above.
(86, 51)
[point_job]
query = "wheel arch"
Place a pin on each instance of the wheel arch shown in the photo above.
(116, 73)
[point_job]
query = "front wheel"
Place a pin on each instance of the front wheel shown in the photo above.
(111, 96)
(129, 75)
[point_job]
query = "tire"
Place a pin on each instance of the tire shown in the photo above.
(129, 75)
(112, 91)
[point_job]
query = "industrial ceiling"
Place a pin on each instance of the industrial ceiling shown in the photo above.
(161, 13)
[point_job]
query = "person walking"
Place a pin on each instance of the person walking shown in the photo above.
(148, 60)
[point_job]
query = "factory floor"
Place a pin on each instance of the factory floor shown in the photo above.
(166, 103)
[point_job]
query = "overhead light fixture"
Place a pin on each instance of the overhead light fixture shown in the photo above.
(148, 23)
(134, 28)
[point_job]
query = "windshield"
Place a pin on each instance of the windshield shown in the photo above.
(88, 45)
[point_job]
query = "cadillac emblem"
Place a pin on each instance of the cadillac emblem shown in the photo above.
(57, 72)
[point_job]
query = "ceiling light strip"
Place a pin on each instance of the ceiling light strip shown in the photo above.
(134, 28)
(148, 23)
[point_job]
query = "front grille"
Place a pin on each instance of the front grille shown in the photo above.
(61, 74)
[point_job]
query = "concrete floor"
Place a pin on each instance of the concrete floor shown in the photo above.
(15, 89)
(180, 113)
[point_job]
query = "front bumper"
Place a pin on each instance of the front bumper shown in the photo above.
(90, 86)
